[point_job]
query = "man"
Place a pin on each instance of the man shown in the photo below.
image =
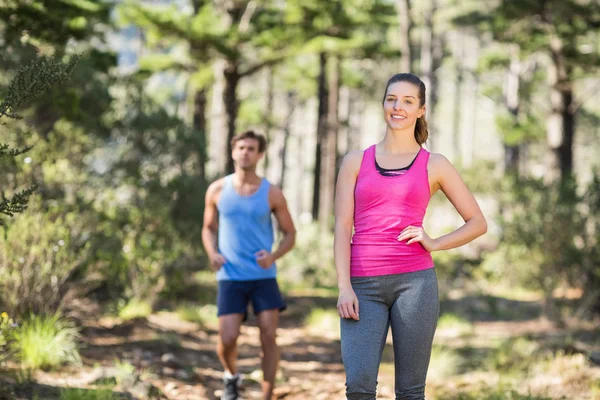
(238, 238)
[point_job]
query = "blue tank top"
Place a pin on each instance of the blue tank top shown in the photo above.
(245, 227)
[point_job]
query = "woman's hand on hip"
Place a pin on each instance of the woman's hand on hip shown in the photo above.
(347, 305)
(413, 234)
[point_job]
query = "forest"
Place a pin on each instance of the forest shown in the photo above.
(116, 116)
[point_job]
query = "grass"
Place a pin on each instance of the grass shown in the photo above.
(202, 315)
(452, 325)
(46, 342)
(88, 394)
(445, 362)
(135, 309)
(323, 322)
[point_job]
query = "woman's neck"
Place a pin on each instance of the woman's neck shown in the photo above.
(398, 142)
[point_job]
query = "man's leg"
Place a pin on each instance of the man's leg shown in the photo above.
(229, 330)
(268, 321)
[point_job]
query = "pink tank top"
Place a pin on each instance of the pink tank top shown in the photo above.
(383, 207)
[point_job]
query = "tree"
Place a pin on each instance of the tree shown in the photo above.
(28, 84)
(246, 35)
(564, 31)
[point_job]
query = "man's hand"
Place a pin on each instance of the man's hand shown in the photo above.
(216, 261)
(264, 259)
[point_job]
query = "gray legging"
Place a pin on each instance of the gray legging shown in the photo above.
(409, 303)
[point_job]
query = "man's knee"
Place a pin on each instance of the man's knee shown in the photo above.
(229, 339)
(268, 336)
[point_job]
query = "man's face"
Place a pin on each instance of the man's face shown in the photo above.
(245, 153)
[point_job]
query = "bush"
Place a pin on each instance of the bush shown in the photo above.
(45, 342)
(38, 260)
(88, 394)
(6, 326)
(135, 309)
(311, 260)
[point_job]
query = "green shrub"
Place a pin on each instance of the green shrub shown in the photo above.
(203, 315)
(45, 342)
(6, 326)
(135, 308)
(38, 258)
(88, 394)
(311, 260)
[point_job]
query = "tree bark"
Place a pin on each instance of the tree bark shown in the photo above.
(321, 131)
(329, 150)
(287, 130)
(406, 25)
(199, 124)
(561, 122)
(232, 79)
(512, 151)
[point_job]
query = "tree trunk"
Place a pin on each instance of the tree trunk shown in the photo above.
(561, 122)
(268, 116)
(431, 60)
(287, 129)
(321, 132)
(512, 151)
(199, 124)
(329, 149)
(456, 125)
(232, 79)
(406, 46)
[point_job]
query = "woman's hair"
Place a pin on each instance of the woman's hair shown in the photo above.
(421, 132)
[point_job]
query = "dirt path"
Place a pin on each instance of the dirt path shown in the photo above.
(176, 359)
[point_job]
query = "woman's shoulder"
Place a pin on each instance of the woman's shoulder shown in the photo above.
(438, 159)
(353, 159)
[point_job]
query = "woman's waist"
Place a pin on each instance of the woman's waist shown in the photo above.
(386, 248)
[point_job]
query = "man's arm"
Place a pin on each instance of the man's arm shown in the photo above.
(286, 225)
(210, 226)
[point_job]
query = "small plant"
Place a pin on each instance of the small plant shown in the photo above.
(322, 322)
(444, 363)
(88, 394)
(135, 308)
(452, 325)
(6, 325)
(45, 342)
(203, 315)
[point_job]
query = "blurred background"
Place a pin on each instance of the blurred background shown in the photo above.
(116, 115)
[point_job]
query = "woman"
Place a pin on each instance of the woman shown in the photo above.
(385, 272)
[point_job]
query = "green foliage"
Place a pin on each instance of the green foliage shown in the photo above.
(495, 394)
(202, 315)
(29, 82)
(6, 326)
(46, 342)
(512, 356)
(541, 226)
(454, 325)
(88, 394)
(550, 236)
(445, 362)
(311, 260)
(39, 259)
(135, 308)
(323, 322)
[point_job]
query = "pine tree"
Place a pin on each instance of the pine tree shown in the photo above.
(30, 82)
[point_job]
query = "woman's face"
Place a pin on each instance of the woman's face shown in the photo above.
(401, 105)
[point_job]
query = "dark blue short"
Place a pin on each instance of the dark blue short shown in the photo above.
(233, 296)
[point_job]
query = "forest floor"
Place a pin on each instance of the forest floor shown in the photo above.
(486, 347)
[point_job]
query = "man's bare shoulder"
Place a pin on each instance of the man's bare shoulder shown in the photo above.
(215, 188)
(275, 194)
